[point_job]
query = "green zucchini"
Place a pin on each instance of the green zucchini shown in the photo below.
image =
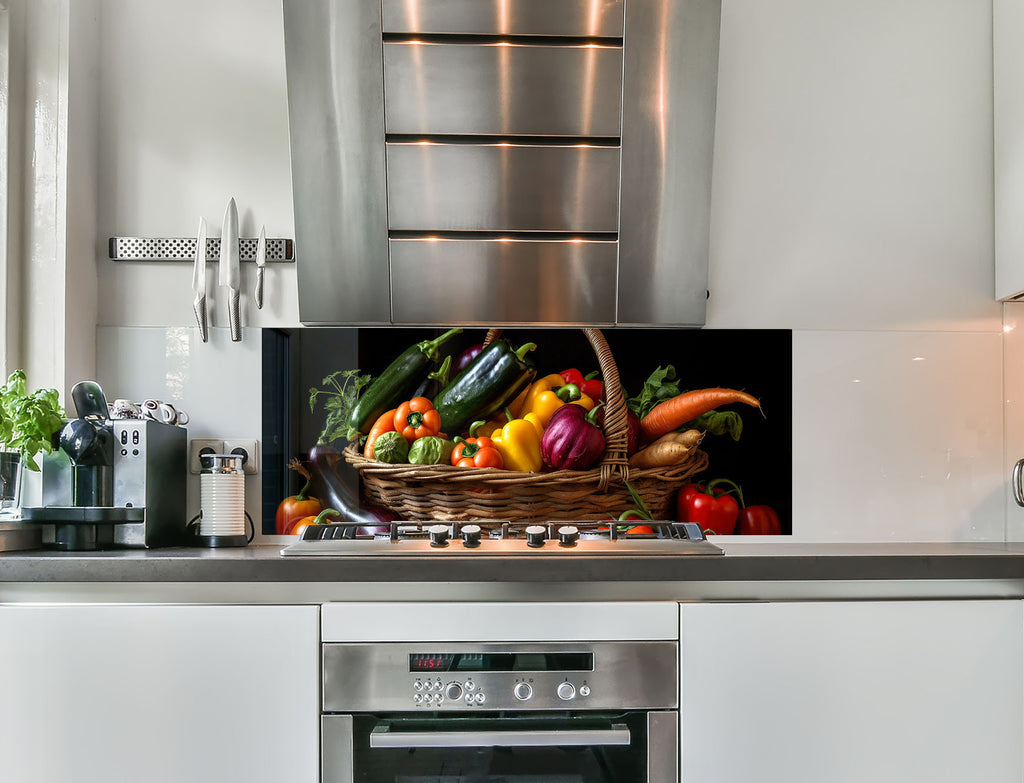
(487, 385)
(397, 383)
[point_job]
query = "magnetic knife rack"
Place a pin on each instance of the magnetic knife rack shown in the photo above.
(279, 251)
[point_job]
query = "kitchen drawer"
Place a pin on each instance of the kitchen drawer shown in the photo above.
(502, 89)
(502, 187)
(499, 17)
(503, 281)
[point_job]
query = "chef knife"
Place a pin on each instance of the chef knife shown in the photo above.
(229, 275)
(261, 261)
(199, 281)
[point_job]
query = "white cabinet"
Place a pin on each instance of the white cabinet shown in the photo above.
(159, 694)
(852, 692)
(1008, 150)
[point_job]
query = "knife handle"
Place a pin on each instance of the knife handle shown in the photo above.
(234, 318)
(199, 306)
(258, 295)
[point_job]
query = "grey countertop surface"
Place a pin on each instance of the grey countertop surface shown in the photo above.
(743, 562)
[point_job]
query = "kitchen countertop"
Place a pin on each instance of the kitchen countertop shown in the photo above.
(748, 571)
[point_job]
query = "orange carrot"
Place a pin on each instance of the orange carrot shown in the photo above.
(385, 423)
(673, 413)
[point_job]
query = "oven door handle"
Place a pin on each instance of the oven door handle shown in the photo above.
(382, 737)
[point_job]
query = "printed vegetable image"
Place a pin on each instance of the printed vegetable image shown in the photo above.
(518, 442)
(319, 519)
(335, 493)
(589, 385)
(296, 507)
(391, 447)
(673, 413)
(714, 509)
(572, 441)
(416, 418)
(632, 428)
(476, 453)
(431, 450)
(549, 394)
(758, 521)
(398, 382)
(488, 384)
(670, 449)
(385, 423)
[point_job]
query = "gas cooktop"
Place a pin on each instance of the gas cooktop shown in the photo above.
(490, 537)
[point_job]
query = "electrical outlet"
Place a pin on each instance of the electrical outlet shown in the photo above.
(199, 446)
(248, 448)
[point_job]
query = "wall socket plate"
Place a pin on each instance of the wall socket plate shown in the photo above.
(251, 449)
(197, 446)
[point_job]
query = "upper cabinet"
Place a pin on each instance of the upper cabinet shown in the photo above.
(1008, 130)
(487, 163)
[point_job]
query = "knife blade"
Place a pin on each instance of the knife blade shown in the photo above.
(261, 262)
(229, 274)
(199, 282)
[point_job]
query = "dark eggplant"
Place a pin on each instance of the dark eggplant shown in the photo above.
(335, 493)
(434, 381)
(466, 357)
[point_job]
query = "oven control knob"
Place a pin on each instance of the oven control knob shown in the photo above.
(522, 691)
(453, 691)
(535, 535)
(568, 535)
(438, 535)
(470, 535)
(566, 691)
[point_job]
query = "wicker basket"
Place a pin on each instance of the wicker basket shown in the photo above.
(446, 492)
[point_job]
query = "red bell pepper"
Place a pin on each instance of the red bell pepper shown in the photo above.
(715, 510)
(589, 386)
(758, 521)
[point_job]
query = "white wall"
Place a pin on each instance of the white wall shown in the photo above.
(852, 203)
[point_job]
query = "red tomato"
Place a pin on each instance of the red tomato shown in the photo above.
(759, 521)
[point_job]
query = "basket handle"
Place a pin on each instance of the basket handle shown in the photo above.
(615, 463)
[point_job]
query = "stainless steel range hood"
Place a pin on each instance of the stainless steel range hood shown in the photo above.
(502, 162)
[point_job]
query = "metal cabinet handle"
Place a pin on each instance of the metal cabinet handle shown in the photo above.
(383, 737)
(1018, 489)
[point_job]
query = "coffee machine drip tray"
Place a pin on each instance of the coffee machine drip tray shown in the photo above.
(83, 527)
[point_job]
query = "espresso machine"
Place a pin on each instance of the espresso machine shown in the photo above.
(112, 482)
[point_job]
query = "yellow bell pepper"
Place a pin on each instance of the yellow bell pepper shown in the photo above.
(549, 394)
(518, 442)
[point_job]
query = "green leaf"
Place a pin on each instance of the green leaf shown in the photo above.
(341, 395)
(28, 422)
(660, 385)
(718, 423)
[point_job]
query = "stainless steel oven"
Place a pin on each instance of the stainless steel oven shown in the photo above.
(518, 712)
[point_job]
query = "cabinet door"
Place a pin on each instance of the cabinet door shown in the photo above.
(883, 691)
(159, 694)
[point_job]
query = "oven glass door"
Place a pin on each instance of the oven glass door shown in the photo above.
(525, 748)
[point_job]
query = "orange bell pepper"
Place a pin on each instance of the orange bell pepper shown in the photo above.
(416, 418)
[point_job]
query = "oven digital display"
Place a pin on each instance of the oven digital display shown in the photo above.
(502, 662)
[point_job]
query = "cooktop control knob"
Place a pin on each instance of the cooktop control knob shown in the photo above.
(567, 535)
(438, 535)
(453, 691)
(535, 535)
(522, 691)
(566, 691)
(471, 535)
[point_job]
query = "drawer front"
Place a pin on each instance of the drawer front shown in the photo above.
(502, 89)
(594, 18)
(492, 282)
(502, 187)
